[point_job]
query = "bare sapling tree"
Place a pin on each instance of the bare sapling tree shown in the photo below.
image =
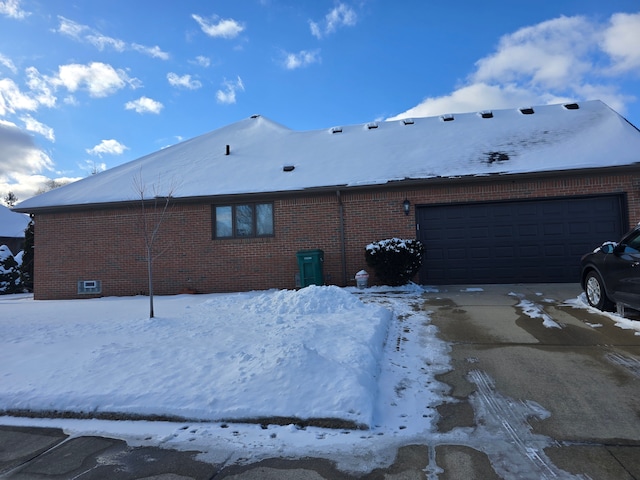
(154, 210)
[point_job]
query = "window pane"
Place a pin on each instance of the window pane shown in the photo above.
(264, 219)
(244, 220)
(223, 222)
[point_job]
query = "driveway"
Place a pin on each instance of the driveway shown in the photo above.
(546, 390)
(539, 388)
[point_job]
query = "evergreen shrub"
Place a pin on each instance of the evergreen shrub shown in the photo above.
(395, 261)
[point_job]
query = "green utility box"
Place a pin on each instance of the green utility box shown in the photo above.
(310, 265)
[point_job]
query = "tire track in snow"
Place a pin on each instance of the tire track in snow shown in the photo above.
(499, 417)
(632, 364)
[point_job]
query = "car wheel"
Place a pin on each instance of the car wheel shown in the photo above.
(596, 295)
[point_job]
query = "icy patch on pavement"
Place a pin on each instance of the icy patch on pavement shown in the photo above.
(534, 310)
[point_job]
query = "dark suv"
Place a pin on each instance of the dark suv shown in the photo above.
(611, 274)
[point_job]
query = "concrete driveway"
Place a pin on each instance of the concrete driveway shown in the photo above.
(538, 390)
(555, 389)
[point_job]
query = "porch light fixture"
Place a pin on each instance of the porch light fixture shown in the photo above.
(406, 206)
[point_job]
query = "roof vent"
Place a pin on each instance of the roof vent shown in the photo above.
(255, 115)
(227, 150)
(486, 114)
(408, 121)
(336, 130)
(527, 111)
(447, 117)
(372, 125)
(571, 106)
(288, 168)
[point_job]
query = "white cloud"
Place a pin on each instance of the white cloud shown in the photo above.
(155, 51)
(99, 79)
(102, 41)
(228, 95)
(8, 63)
(21, 162)
(475, 97)
(84, 33)
(622, 42)
(202, 61)
(71, 29)
(144, 105)
(301, 59)
(341, 15)
(33, 125)
(547, 55)
(551, 62)
(108, 147)
(216, 27)
(11, 8)
(183, 81)
(12, 99)
(41, 89)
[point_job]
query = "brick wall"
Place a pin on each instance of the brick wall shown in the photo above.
(107, 245)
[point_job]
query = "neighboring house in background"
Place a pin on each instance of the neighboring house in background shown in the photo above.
(512, 195)
(12, 227)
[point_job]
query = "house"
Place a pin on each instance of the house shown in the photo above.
(12, 227)
(514, 195)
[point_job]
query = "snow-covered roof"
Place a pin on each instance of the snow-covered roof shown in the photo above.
(12, 224)
(257, 155)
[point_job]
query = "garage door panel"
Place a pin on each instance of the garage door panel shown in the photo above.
(480, 253)
(529, 230)
(480, 232)
(556, 251)
(529, 251)
(503, 231)
(579, 228)
(550, 229)
(515, 241)
(605, 228)
(552, 209)
(456, 234)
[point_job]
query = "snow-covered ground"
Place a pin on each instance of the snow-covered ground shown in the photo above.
(364, 357)
(215, 360)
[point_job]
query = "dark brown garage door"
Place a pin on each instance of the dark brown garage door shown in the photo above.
(515, 241)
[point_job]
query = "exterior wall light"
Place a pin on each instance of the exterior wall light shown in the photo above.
(406, 206)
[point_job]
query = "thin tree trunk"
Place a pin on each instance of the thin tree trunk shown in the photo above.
(150, 272)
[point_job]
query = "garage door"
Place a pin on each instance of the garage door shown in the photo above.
(515, 241)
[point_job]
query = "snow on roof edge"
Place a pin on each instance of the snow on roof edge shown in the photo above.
(359, 155)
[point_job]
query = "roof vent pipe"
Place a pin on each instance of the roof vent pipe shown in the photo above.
(227, 150)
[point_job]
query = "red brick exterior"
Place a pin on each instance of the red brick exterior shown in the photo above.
(107, 244)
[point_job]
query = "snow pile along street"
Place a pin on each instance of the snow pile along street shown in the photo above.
(308, 354)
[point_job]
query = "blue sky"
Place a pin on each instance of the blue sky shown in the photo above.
(86, 85)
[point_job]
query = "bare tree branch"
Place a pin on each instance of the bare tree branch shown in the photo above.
(153, 212)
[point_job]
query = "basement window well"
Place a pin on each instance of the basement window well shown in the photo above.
(88, 287)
